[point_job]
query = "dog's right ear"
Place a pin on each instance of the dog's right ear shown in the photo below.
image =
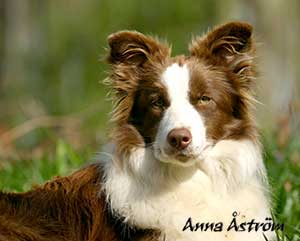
(131, 55)
(134, 48)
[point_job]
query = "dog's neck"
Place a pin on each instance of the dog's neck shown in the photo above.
(228, 164)
(144, 170)
(150, 194)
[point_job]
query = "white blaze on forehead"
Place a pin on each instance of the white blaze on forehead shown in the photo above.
(180, 114)
(176, 79)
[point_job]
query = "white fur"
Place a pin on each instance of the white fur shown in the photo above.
(162, 196)
(150, 192)
(180, 114)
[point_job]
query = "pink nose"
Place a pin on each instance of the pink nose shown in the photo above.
(179, 138)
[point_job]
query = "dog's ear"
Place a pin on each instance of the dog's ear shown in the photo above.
(229, 45)
(134, 48)
(132, 57)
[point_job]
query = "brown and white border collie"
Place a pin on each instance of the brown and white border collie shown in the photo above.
(184, 147)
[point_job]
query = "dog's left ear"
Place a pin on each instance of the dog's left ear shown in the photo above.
(230, 45)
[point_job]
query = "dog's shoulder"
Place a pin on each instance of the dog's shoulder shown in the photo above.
(73, 207)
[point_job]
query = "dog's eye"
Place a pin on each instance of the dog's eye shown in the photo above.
(204, 99)
(157, 102)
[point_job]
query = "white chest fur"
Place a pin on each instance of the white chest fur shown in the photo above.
(151, 194)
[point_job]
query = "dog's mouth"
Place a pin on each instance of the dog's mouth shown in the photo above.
(182, 158)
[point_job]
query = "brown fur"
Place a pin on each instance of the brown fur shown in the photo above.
(65, 209)
(225, 62)
(134, 58)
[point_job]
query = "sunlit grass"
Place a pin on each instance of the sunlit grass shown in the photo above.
(22, 175)
(283, 166)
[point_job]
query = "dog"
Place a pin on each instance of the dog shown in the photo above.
(184, 161)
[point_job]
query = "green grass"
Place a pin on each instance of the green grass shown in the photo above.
(22, 175)
(283, 165)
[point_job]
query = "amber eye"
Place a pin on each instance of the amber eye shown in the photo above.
(204, 99)
(157, 102)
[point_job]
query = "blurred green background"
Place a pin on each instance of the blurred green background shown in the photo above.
(54, 107)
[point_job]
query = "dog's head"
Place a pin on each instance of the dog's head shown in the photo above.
(177, 106)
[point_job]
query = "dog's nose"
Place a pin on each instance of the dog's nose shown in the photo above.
(179, 138)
